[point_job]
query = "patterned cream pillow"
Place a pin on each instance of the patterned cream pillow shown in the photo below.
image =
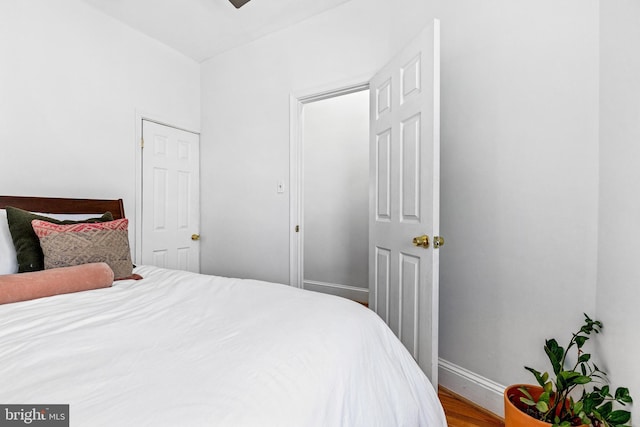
(75, 244)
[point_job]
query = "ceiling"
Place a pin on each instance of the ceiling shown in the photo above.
(203, 28)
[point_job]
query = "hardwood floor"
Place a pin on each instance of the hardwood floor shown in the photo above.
(462, 413)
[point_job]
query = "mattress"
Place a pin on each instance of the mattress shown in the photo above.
(184, 349)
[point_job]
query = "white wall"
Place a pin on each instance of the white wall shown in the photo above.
(71, 80)
(618, 289)
(541, 123)
(519, 204)
(245, 124)
(336, 191)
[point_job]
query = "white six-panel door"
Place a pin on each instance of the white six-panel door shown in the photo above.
(170, 197)
(404, 202)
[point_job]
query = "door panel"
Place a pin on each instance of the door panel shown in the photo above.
(404, 180)
(409, 293)
(170, 197)
(383, 176)
(382, 279)
(410, 170)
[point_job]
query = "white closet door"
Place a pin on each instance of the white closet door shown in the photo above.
(170, 197)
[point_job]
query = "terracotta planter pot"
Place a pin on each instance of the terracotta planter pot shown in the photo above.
(513, 416)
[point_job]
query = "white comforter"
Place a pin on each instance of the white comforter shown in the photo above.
(182, 349)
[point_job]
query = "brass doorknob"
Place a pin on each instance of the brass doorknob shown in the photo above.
(421, 241)
(195, 237)
(438, 241)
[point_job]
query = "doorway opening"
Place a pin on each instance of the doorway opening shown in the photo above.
(331, 183)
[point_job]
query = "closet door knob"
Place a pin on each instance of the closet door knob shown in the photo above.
(421, 241)
(195, 237)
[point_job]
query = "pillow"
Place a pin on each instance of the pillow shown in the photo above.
(82, 243)
(25, 241)
(38, 284)
(8, 260)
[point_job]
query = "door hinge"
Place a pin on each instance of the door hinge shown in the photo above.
(141, 142)
(297, 228)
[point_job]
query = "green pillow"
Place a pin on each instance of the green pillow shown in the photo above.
(28, 250)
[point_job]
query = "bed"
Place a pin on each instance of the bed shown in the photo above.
(186, 349)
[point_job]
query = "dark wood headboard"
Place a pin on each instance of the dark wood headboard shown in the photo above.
(55, 205)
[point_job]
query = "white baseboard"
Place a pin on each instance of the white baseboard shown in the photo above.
(350, 292)
(480, 390)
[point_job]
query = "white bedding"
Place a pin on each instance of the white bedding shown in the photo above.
(181, 349)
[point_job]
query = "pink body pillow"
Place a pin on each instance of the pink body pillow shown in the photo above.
(45, 283)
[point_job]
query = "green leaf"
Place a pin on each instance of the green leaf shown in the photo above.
(580, 340)
(542, 406)
(584, 358)
(581, 379)
(555, 353)
(527, 402)
(592, 325)
(571, 378)
(538, 375)
(622, 395)
(605, 409)
(618, 417)
(577, 407)
(568, 375)
(524, 391)
(588, 404)
(597, 400)
(561, 384)
(544, 397)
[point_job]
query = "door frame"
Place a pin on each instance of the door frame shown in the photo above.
(141, 115)
(296, 167)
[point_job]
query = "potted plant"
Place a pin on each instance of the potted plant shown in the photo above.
(557, 400)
